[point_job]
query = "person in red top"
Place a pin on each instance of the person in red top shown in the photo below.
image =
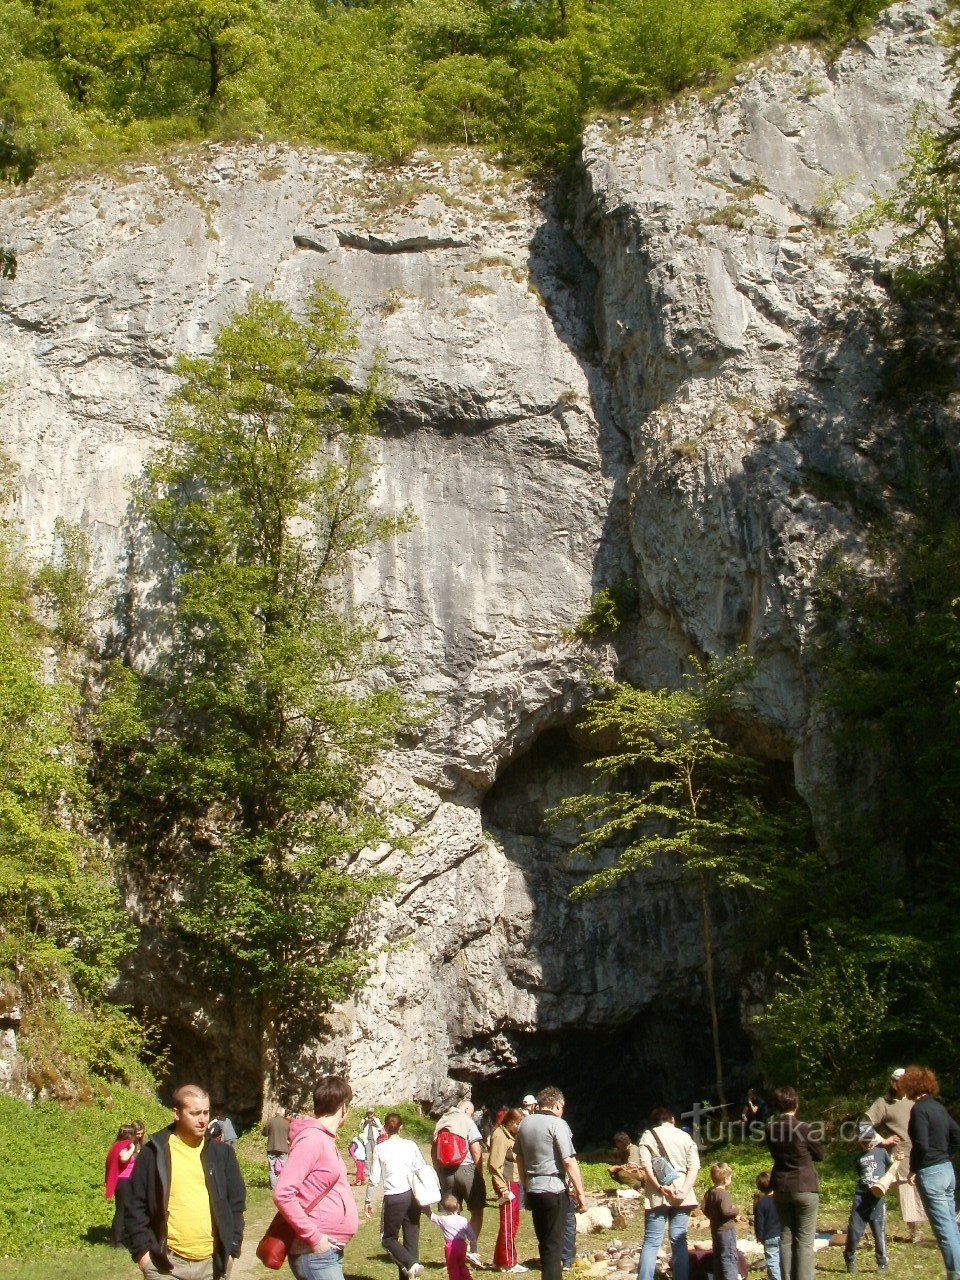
(116, 1179)
(313, 1192)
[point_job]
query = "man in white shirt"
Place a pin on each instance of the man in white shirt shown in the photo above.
(667, 1207)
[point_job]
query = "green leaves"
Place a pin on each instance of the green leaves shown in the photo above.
(62, 929)
(691, 797)
(242, 753)
(924, 211)
(17, 164)
(518, 78)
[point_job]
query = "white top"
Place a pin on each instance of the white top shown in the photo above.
(455, 1227)
(683, 1155)
(394, 1160)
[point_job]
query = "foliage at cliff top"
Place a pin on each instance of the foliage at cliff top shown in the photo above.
(97, 77)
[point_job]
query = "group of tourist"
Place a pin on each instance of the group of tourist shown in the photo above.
(908, 1119)
(530, 1155)
(182, 1211)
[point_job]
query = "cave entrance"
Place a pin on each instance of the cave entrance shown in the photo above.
(611, 989)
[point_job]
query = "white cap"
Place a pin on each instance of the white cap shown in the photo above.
(529, 1100)
(897, 1073)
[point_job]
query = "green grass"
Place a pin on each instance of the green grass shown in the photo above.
(51, 1177)
(56, 1186)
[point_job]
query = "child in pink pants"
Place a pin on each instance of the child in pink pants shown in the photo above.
(458, 1238)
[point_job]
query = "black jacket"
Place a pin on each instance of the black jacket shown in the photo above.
(794, 1149)
(145, 1218)
(934, 1133)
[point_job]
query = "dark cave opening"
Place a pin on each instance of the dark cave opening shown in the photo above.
(622, 1022)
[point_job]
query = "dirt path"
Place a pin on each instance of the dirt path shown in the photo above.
(248, 1265)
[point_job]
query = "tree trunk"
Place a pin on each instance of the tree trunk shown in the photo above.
(215, 71)
(711, 989)
(269, 1101)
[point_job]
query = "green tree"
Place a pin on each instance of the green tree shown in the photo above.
(222, 38)
(924, 210)
(16, 165)
(62, 928)
(845, 1000)
(675, 789)
(242, 753)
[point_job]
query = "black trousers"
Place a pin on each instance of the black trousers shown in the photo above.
(548, 1209)
(401, 1213)
(120, 1195)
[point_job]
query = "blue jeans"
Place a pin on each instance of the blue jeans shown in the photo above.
(318, 1266)
(771, 1256)
(726, 1264)
(654, 1225)
(937, 1185)
(568, 1252)
(867, 1211)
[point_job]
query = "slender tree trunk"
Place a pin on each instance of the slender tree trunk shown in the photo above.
(269, 1098)
(213, 86)
(711, 988)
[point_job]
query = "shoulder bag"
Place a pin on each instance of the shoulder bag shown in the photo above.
(280, 1235)
(663, 1170)
(425, 1185)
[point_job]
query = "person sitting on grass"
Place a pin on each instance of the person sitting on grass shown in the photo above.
(627, 1170)
(868, 1209)
(722, 1214)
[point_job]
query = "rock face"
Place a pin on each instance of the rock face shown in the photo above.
(645, 394)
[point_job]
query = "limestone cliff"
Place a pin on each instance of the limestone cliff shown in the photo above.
(640, 392)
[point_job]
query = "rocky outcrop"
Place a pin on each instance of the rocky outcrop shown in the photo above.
(733, 317)
(646, 394)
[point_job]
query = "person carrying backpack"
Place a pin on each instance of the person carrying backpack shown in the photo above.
(457, 1156)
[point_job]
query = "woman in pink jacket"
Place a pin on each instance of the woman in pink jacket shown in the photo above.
(117, 1173)
(313, 1192)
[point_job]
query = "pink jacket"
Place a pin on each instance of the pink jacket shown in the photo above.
(115, 1168)
(314, 1165)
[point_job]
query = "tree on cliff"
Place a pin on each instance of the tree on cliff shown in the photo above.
(238, 759)
(674, 789)
(16, 165)
(62, 928)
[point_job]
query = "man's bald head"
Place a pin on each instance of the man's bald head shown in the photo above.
(191, 1113)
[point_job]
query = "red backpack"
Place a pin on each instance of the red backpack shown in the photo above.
(451, 1149)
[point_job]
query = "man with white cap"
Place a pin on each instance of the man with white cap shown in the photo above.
(529, 1104)
(890, 1116)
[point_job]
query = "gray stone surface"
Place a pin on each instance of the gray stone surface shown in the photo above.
(642, 395)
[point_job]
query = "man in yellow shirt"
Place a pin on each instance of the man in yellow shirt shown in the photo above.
(186, 1203)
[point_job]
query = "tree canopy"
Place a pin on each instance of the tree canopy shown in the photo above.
(100, 76)
(238, 758)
